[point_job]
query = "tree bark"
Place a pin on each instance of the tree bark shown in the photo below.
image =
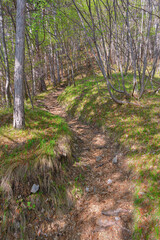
(146, 48)
(18, 114)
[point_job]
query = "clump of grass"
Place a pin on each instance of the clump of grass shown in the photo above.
(134, 127)
(34, 155)
(35, 149)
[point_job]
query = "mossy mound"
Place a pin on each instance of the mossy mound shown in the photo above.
(38, 155)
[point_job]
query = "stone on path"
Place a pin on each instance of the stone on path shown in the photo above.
(114, 212)
(104, 222)
(109, 181)
(34, 188)
(87, 189)
(99, 158)
(110, 213)
(115, 160)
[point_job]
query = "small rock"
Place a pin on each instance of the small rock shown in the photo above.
(86, 148)
(94, 189)
(17, 224)
(34, 188)
(99, 158)
(117, 218)
(110, 213)
(109, 181)
(100, 165)
(115, 160)
(87, 189)
(141, 193)
(113, 212)
(104, 222)
(42, 211)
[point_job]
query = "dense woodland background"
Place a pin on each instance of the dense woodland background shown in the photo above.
(63, 37)
(114, 47)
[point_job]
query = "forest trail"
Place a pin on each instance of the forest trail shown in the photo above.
(104, 211)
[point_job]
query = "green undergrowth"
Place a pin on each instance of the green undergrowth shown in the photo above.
(38, 140)
(37, 154)
(135, 127)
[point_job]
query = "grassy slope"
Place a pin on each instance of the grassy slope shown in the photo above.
(137, 128)
(36, 154)
(36, 141)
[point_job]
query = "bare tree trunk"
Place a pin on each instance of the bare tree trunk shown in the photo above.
(133, 51)
(68, 75)
(128, 55)
(146, 48)
(46, 68)
(30, 55)
(56, 49)
(27, 89)
(61, 64)
(57, 64)
(156, 49)
(34, 75)
(2, 89)
(18, 114)
(2, 33)
(51, 64)
(117, 50)
(41, 76)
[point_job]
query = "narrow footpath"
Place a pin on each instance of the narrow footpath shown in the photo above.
(104, 211)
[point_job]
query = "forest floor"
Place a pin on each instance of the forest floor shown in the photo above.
(103, 182)
(103, 189)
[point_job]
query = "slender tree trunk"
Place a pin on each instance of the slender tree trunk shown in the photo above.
(57, 64)
(28, 91)
(56, 49)
(2, 89)
(146, 48)
(41, 76)
(51, 64)
(18, 114)
(128, 55)
(156, 49)
(117, 50)
(34, 75)
(2, 34)
(46, 68)
(133, 51)
(68, 75)
(30, 55)
(61, 64)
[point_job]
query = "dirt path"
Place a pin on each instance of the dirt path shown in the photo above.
(105, 209)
